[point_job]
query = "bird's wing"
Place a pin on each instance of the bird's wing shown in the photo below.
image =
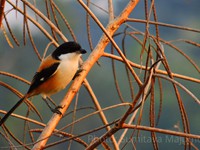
(43, 75)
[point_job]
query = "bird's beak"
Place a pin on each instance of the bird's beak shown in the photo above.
(82, 51)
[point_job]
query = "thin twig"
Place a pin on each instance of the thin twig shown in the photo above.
(180, 85)
(10, 31)
(163, 131)
(36, 23)
(176, 75)
(98, 107)
(164, 24)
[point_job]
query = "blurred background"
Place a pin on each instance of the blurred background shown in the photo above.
(22, 61)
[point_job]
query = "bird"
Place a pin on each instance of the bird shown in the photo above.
(54, 73)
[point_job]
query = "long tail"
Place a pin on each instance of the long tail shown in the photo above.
(12, 110)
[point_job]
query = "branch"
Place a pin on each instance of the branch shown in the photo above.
(164, 24)
(139, 66)
(36, 23)
(181, 86)
(98, 107)
(2, 5)
(145, 128)
(45, 19)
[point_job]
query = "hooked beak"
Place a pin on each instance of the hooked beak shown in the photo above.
(82, 51)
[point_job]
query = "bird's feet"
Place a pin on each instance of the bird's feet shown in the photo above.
(77, 73)
(56, 110)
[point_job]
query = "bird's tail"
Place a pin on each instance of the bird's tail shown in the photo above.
(13, 109)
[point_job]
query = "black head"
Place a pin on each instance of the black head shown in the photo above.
(67, 47)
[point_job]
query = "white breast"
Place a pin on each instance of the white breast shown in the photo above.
(68, 67)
